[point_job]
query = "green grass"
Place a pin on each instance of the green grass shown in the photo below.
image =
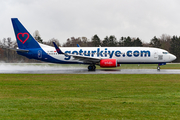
(111, 97)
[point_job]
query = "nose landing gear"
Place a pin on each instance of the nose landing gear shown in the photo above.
(158, 67)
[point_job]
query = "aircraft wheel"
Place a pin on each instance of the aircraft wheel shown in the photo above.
(94, 67)
(91, 67)
(158, 68)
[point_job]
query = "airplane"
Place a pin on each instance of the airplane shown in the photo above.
(105, 57)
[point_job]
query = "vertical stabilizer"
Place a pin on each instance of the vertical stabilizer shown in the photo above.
(23, 37)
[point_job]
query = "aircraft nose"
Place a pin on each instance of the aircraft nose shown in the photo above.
(173, 57)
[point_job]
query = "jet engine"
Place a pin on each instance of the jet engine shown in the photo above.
(108, 63)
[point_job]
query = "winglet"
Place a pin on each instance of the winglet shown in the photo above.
(78, 45)
(57, 49)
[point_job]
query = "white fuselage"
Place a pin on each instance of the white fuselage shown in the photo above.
(131, 55)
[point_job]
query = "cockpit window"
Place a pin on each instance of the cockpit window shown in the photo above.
(165, 52)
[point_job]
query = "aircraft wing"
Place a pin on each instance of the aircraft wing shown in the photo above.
(86, 59)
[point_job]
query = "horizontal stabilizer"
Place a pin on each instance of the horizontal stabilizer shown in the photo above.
(19, 50)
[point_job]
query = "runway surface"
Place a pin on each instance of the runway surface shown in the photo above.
(48, 69)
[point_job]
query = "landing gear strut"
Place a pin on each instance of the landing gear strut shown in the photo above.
(92, 67)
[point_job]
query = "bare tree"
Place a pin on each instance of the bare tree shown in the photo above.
(165, 41)
(72, 42)
(50, 42)
(37, 36)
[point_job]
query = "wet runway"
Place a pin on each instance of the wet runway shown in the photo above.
(48, 69)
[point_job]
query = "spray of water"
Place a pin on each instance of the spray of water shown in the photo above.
(36, 67)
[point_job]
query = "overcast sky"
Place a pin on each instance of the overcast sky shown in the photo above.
(63, 19)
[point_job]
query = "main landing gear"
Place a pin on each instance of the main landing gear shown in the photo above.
(92, 67)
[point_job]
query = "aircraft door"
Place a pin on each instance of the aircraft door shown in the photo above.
(155, 54)
(39, 54)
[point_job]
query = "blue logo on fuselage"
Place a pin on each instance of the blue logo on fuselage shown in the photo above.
(108, 53)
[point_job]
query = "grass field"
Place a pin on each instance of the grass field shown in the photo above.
(111, 97)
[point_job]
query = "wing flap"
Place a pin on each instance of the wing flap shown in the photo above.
(85, 58)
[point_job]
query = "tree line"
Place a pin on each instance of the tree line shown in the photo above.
(171, 44)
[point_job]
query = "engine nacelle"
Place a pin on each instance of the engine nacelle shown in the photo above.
(109, 63)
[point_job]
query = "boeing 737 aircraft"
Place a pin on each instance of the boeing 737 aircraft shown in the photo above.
(102, 56)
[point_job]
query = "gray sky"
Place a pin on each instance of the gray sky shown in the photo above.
(63, 19)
